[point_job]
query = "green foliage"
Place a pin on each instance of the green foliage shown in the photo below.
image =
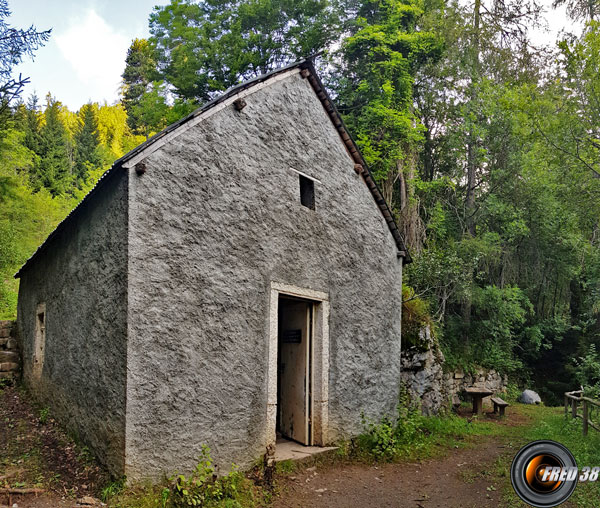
(415, 316)
(375, 81)
(387, 439)
(580, 9)
(49, 160)
(285, 466)
(141, 91)
(206, 47)
(587, 372)
(512, 392)
(15, 43)
(495, 331)
(498, 313)
(112, 490)
(507, 194)
(551, 424)
(53, 168)
(204, 488)
(87, 143)
(44, 413)
(198, 49)
(409, 433)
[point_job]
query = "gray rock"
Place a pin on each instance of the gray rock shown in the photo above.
(529, 397)
(426, 382)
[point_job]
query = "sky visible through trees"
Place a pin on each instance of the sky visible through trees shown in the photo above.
(485, 143)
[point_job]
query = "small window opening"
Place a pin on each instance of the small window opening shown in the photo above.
(307, 192)
(40, 341)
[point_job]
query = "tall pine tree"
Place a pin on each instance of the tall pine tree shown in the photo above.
(87, 143)
(144, 105)
(33, 124)
(53, 170)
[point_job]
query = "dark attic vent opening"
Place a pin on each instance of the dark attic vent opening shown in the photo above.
(307, 192)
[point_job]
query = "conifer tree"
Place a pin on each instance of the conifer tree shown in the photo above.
(87, 143)
(15, 43)
(53, 170)
(138, 77)
(32, 124)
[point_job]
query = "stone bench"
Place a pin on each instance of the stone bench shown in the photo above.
(499, 405)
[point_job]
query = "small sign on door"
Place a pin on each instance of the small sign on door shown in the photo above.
(292, 336)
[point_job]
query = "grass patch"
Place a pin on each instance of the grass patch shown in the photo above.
(411, 435)
(543, 423)
(285, 467)
(202, 488)
(586, 450)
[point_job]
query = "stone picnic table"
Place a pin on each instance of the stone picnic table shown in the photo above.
(477, 394)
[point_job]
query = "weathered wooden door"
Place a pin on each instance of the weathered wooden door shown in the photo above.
(295, 349)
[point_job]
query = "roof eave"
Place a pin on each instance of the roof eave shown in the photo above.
(354, 152)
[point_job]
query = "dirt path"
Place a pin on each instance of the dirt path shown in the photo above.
(464, 478)
(36, 453)
(471, 476)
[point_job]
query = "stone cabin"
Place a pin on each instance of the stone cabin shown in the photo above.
(234, 280)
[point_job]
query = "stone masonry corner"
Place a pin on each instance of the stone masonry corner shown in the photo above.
(10, 359)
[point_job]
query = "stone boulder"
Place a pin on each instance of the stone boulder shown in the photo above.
(529, 397)
(423, 376)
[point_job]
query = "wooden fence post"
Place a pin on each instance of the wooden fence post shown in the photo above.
(585, 417)
(566, 405)
(574, 408)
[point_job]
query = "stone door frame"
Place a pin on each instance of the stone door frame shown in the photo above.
(320, 360)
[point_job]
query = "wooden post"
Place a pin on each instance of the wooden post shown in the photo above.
(566, 405)
(585, 417)
(573, 408)
(477, 405)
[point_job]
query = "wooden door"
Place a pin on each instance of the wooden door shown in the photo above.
(294, 400)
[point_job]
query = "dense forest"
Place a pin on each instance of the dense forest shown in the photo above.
(485, 143)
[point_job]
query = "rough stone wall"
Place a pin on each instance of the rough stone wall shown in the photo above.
(424, 377)
(456, 382)
(10, 359)
(216, 218)
(81, 277)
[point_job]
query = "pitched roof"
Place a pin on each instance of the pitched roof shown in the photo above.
(308, 71)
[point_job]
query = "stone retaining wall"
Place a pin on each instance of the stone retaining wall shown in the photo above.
(456, 382)
(424, 377)
(10, 359)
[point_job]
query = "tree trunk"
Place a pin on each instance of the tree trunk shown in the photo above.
(470, 199)
(472, 137)
(472, 144)
(466, 321)
(428, 155)
(411, 223)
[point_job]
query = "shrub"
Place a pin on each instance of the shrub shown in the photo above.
(388, 438)
(415, 316)
(587, 372)
(204, 488)
(44, 414)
